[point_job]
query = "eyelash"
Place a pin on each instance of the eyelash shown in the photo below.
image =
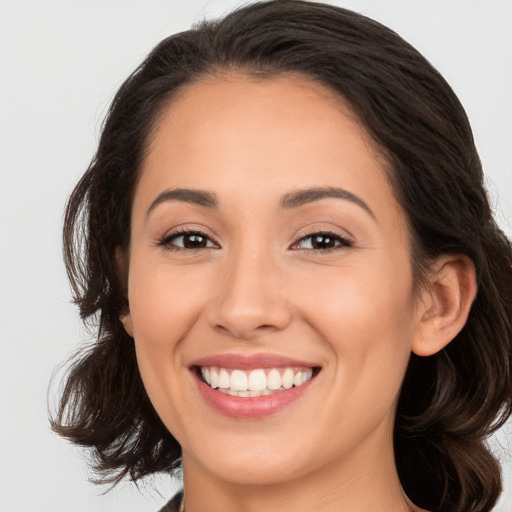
(166, 241)
(343, 242)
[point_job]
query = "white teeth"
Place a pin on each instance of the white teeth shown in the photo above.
(223, 378)
(245, 393)
(287, 378)
(238, 381)
(273, 379)
(214, 378)
(256, 382)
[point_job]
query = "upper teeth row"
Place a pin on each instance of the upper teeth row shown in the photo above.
(256, 380)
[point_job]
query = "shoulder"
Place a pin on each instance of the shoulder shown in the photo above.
(173, 505)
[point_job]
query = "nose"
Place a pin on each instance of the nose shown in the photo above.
(251, 299)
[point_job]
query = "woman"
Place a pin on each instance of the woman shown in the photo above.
(303, 299)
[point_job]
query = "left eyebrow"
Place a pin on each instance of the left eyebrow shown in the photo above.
(309, 195)
(186, 195)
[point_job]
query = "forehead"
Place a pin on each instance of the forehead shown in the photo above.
(235, 107)
(262, 137)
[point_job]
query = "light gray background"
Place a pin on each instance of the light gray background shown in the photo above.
(60, 64)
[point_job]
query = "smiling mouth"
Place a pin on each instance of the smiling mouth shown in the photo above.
(257, 382)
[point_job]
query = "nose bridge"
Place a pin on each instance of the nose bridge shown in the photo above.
(250, 298)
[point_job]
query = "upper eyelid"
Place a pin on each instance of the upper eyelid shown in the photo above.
(180, 231)
(185, 231)
(316, 231)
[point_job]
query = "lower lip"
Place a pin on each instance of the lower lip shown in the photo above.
(250, 407)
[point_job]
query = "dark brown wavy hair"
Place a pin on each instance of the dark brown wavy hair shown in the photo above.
(450, 402)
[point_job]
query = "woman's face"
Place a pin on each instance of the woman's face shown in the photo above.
(267, 250)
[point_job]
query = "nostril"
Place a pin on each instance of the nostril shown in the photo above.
(244, 331)
(248, 313)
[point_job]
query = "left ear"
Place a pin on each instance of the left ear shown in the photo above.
(446, 302)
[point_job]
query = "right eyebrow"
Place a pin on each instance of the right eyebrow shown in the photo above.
(187, 195)
(310, 195)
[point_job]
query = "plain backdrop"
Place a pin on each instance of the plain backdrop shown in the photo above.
(60, 64)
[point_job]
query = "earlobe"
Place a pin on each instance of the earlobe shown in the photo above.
(126, 320)
(446, 303)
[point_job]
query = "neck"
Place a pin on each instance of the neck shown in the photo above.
(359, 483)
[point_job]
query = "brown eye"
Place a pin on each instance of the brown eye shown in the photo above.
(322, 241)
(187, 240)
(194, 241)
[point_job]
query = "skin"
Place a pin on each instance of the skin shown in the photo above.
(259, 287)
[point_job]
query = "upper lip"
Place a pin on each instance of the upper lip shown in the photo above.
(251, 362)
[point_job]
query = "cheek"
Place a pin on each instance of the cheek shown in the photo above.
(358, 298)
(164, 304)
(164, 309)
(366, 317)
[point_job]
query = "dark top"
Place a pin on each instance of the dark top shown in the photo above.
(174, 504)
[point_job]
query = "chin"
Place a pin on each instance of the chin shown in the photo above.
(263, 460)
(257, 471)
